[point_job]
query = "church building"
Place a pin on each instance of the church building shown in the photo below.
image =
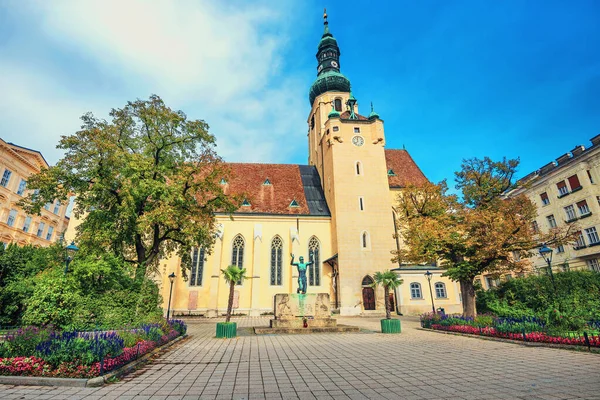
(337, 211)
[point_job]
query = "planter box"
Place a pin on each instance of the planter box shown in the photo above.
(226, 329)
(390, 326)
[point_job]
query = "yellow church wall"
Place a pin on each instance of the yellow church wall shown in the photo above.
(255, 295)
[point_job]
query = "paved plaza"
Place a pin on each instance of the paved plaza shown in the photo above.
(366, 365)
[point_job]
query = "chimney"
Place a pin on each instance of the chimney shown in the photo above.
(595, 140)
(577, 150)
(563, 159)
(546, 168)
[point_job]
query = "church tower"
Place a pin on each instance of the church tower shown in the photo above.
(348, 150)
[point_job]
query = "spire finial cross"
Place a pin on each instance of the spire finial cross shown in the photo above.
(325, 16)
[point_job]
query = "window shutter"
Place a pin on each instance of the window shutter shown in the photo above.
(561, 185)
(582, 203)
(574, 182)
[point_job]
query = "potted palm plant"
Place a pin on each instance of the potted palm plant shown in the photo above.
(389, 280)
(232, 274)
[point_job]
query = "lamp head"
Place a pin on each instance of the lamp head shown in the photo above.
(71, 250)
(172, 277)
(428, 275)
(546, 253)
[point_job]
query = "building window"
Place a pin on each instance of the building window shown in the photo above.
(574, 182)
(22, 186)
(198, 255)
(391, 172)
(314, 255)
(594, 264)
(56, 207)
(583, 207)
(551, 221)
(6, 178)
(276, 260)
(364, 240)
(579, 241)
(336, 128)
(560, 248)
(562, 188)
(358, 168)
(47, 206)
(440, 290)
(27, 224)
(570, 211)
(237, 252)
(50, 232)
(40, 230)
(356, 129)
(12, 216)
(360, 204)
(589, 174)
(592, 235)
(337, 103)
(491, 282)
(415, 291)
(535, 227)
(312, 122)
(545, 199)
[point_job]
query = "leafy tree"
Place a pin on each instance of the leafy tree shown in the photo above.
(232, 274)
(482, 233)
(147, 182)
(389, 280)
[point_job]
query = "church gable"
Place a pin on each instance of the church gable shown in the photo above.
(31, 157)
(282, 189)
(402, 169)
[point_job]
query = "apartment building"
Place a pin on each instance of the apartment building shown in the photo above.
(567, 190)
(17, 163)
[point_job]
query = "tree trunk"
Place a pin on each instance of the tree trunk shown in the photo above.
(230, 303)
(386, 292)
(467, 290)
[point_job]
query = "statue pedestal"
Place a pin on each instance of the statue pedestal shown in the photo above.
(294, 311)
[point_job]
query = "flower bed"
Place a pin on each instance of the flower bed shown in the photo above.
(524, 329)
(81, 354)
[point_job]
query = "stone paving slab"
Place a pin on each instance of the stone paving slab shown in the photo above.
(365, 365)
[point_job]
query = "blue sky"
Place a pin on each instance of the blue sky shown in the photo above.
(452, 80)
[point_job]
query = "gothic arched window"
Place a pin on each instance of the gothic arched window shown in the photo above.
(237, 252)
(337, 103)
(197, 267)
(364, 240)
(276, 260)
(314, 255)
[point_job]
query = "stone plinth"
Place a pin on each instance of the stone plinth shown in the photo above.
(299, 323)
(292, 311)
(293, 306)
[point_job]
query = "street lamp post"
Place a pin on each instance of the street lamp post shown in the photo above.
(70, 251)
(429, 275)
(171, 278)
(546, 254)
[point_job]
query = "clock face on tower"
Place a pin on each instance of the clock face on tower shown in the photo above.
(358, 140)
(334, 64)
(320, 68)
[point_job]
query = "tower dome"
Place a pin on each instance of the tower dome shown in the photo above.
(329, 77)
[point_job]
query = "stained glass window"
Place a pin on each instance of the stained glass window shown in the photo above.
(314, 255)
(197, 267)
(276, 260)
(237, 252)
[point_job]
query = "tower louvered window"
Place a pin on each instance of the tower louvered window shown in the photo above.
(197, 267)
(237, 252)
(276, 260)
(314, 254)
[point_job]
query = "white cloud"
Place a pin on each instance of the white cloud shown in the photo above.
(219, 63)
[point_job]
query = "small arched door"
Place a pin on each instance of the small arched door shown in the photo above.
(368, 293)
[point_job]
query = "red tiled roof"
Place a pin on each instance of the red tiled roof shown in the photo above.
(406, 171)
(247, 180)
(346, 115)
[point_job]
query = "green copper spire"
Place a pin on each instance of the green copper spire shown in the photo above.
(329, 77)
(333, 113)
(351, 103)
(373, 114)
